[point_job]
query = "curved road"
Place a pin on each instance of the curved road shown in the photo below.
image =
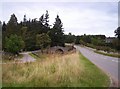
(27, 57)
(106, 63)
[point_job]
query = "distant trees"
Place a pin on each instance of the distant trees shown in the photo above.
(86, 39)
(14, 44)
(91, 39)
(77, 39)
(69, 38)
(116, 42)
(117, 33)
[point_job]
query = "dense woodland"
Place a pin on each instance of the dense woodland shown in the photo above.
(36, 34)
(32, 34)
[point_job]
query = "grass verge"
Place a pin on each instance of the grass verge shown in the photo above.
(38, 56)
(107, 54)
(34, 56)
(71, 70)
(11, 58)
(92, 75)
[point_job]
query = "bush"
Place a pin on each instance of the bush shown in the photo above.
(14, 44)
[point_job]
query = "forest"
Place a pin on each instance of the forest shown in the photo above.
(31, 34)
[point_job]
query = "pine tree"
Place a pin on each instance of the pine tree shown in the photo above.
(24, 20)
(13, 20)
(41, 19)
(12, 26)
(3, 34)
(4, 26)
(46, 21)
(56, 34)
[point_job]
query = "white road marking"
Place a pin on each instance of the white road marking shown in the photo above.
(115, 61)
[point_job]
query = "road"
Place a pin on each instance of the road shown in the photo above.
(108, 64)
(27, 57)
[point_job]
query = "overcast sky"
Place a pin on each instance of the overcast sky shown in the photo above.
(78, 17)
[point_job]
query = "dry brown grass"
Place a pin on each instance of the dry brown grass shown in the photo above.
(70, 70)
(52, 70)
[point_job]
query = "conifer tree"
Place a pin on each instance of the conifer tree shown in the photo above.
(12, 26)
(46, 21)
(56, 34)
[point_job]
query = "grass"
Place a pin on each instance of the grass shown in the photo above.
(7, 58)
(20, 56)
(34, 56)
(108, 54)
(39, 56)
(71, 70)
(104, 48)
(92, 75)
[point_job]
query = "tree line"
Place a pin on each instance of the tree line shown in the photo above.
(34, 34)
(96, 41)
(31, 34)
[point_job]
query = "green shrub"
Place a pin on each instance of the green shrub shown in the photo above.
(14, 44)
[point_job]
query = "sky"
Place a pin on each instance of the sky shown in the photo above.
(91, 18)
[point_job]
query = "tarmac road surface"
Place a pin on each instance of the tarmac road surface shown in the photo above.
(108, 64)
